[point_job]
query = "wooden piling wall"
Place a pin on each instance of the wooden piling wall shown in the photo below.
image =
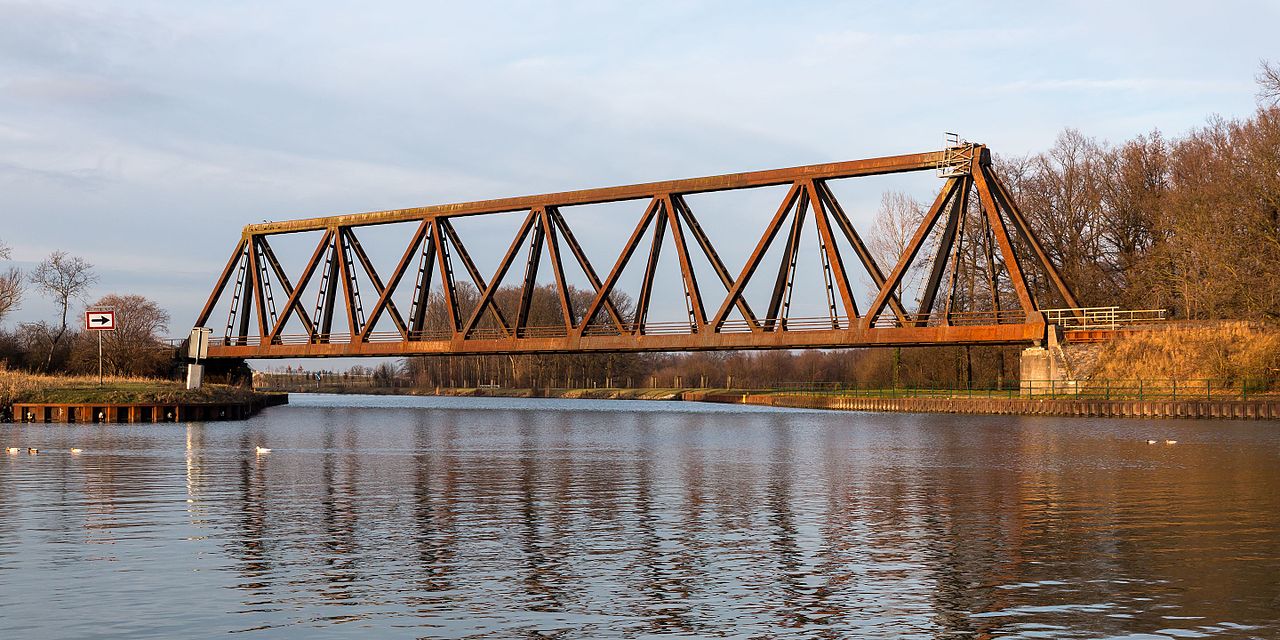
(1262, 409)
(142, 412)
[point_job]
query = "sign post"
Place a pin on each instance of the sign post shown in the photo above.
(99, 320)
(197, 348)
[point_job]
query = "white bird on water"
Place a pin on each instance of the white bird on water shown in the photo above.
(13, 450)
(1153, 442)
(261, 450)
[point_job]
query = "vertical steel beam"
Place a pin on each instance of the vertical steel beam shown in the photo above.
(330, 292)
(348, 283)
(787, 266)
(446, 273)
(956, 254)
(256, 268)
(246, 301)
(422, 282)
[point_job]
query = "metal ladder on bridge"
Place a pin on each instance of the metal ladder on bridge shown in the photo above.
(235, 295)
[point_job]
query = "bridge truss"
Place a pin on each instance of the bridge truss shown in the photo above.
(718, 317)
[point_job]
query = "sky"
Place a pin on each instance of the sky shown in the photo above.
(143, 135)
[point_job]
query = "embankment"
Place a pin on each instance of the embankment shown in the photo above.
(1259, 409)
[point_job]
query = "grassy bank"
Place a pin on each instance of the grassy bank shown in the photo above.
(1217, 350)
(25, 387)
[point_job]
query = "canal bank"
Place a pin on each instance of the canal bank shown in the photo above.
(1262, 407)
(1255, 409)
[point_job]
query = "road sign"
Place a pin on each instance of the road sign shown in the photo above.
(100, 320)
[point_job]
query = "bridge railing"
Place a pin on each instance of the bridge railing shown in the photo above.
(1096, 318)
(802, 324)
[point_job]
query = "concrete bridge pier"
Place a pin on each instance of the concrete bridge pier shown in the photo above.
(1044, 368)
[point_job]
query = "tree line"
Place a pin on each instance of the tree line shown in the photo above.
(1188, 224)
(134, 348)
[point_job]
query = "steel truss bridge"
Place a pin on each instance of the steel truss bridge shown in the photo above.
(263, 297)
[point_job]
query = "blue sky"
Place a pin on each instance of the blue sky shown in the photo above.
(143, 135)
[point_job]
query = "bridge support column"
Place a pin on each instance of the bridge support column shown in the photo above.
(1044, 369)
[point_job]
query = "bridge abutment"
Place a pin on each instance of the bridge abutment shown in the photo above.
(1044, 369)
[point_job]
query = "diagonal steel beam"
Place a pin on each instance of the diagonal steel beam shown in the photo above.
(1001, 233)
(557, 267)
(693, 298)
(943, 251)
(909, 254)
(384, 291)
(713, 256)
(1028, 233)
(753, 261)
(486, 299)
(283, 277)
(474, 274)
(859, 247)
(592, 278)
(833, 252)
(221, 284)
(627, 250)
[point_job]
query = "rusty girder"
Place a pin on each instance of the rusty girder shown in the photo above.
(600, 325)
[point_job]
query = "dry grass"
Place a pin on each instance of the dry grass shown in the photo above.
(16, 386)
(1220, 350)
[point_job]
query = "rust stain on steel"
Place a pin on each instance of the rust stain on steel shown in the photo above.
(434, 243)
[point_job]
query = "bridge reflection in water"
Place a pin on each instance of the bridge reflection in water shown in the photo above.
(452, 517)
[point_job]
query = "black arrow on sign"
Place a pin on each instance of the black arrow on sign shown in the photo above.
(100, 320)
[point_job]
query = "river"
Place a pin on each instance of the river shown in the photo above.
(494, 518)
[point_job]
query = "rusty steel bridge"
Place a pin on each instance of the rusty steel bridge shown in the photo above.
(264, 299)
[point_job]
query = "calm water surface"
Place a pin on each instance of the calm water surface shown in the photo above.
(494, 518)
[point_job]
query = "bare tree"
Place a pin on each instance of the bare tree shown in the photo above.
(63, 278)
(896, 223)
(1269, 83)
(135, 347)
(10, 285)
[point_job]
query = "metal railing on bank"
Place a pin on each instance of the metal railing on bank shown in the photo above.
(1164, 389)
